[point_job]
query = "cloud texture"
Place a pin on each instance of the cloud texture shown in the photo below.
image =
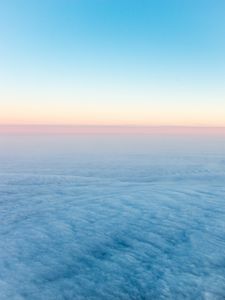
(112, 227)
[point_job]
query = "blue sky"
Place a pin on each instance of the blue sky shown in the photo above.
(112, 62)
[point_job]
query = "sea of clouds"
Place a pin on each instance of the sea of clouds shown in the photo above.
(112, 218)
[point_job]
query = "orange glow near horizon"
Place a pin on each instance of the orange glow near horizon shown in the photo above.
(159, 105)
(110, 116)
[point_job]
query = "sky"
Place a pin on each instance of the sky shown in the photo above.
(112, 62)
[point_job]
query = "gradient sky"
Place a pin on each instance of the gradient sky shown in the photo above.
(112, 62)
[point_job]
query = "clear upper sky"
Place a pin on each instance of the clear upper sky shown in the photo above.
(111, 62)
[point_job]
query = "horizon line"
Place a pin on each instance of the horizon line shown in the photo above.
(52, 129)
(106, 125)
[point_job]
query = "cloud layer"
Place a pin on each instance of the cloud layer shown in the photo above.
(124, 226)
